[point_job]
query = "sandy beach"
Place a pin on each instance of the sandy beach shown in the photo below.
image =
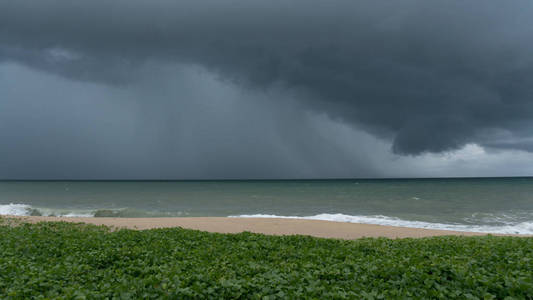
(272, 226)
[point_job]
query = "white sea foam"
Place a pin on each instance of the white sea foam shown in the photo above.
(507, 224)
(15, 209)
(73, 215)
(27, 210)
(518, 228)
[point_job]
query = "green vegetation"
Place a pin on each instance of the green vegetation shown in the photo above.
(74, 261)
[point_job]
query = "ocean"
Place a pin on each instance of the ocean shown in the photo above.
(493, 205)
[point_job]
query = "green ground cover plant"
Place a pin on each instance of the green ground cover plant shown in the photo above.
(75, 261)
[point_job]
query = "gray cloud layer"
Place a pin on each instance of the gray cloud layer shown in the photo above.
(192, 127)
(429, 76)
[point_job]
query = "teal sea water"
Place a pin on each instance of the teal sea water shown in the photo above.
(475, 204)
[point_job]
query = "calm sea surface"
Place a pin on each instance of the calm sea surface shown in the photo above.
(479, 204)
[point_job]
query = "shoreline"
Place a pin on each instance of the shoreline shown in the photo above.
(269, 226)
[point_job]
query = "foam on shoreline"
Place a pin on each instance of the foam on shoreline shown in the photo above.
(523, 227)
(520, 228)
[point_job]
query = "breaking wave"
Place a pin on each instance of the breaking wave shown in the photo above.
(504, 223)
(28, 210)
(517, 228)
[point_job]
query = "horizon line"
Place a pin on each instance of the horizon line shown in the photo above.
(270, 179)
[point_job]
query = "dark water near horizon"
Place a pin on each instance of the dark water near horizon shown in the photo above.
(480, 204)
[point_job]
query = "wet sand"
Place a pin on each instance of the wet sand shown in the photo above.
(325, 229)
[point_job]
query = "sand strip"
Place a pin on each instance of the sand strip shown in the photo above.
(325, 229)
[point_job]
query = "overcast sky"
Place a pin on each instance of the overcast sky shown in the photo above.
(160, 89)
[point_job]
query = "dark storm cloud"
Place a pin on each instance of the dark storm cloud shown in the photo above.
(430, 75)
(180, 124)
